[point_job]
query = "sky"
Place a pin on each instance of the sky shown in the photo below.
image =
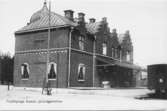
(146, 20)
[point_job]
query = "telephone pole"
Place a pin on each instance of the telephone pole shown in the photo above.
(46, 81)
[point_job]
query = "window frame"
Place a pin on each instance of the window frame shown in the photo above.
(22, 71)
(55, 69)
(84, 72)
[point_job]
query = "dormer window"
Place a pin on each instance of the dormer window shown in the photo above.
(81, 42)
(104, 50)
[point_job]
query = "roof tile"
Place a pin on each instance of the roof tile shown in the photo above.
(40, 20)
(93, 27)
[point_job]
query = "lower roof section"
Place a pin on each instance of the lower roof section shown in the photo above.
(105, 61)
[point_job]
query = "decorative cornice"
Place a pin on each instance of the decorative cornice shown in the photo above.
(43, 51)
(64, 50)
(55, 50)
(40, 29)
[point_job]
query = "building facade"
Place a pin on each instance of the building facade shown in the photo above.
(81, 54)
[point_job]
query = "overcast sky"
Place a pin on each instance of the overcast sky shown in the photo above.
(146, 20)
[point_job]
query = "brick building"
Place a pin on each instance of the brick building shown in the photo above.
(81, 54)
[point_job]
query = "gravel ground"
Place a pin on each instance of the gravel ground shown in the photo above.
(72, 99)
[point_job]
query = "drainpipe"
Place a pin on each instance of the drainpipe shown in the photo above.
(94, 57)
(69, 56)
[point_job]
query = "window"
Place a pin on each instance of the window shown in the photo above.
(143, 75)
(25, 71)
(52, 70)
(81, 72)
(128, 56)
(116, 55)
(112, 52)
(104, 45)
(120, 54)
(81, 42)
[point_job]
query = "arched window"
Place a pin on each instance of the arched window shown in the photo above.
(81, 42)
(25, 71)
(81, 72)
(120, 54)
(104, 45)
(52, 70)
(116, 54)
(128, 56)
(112, 51)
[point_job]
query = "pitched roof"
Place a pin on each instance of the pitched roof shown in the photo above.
(40, 20)
(93, 27)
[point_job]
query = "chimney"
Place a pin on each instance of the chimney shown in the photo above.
(92, 20)
(69, 14)
(104, 19)
(127, 32)
(81, 17)
(114, 32)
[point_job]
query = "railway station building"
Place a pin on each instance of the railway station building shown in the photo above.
(81, 53)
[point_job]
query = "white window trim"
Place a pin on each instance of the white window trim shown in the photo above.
(48, 69)
(28, 69)
(84, 71)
